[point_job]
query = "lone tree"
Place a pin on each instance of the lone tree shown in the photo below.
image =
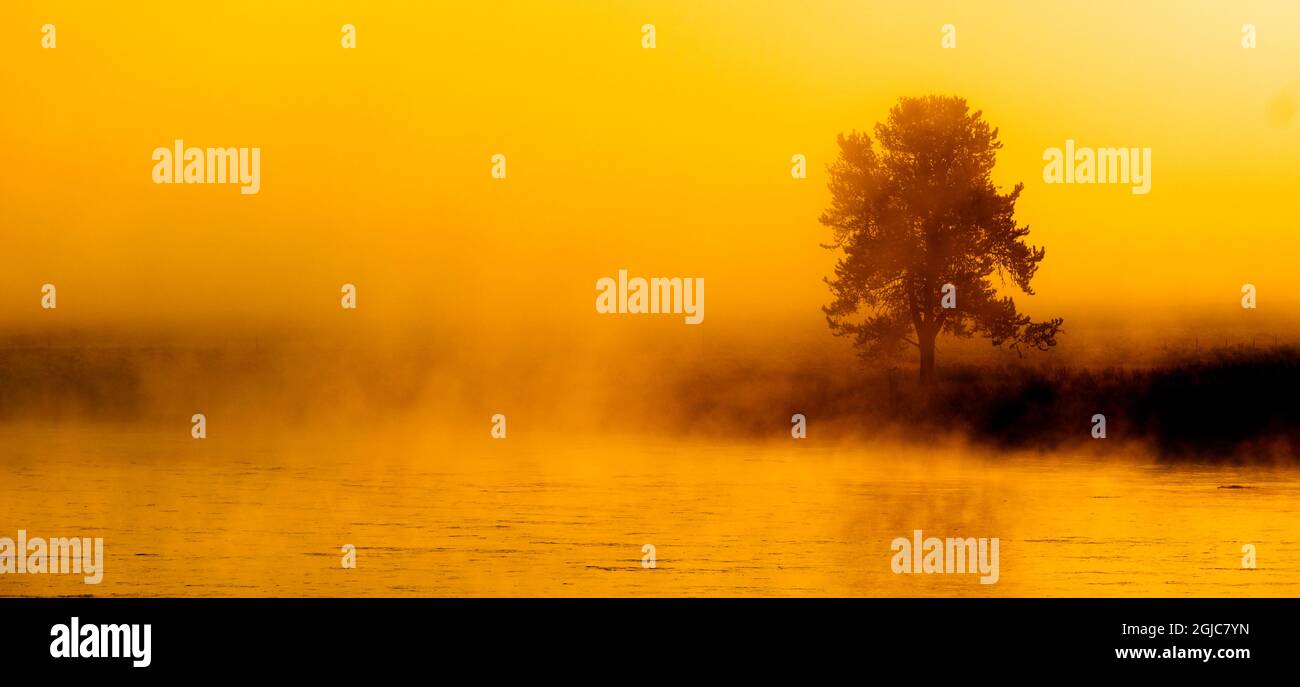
(921, 214)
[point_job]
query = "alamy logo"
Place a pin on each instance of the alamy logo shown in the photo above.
(193, 165)
(657, 295)
(75, 640)
(1100, 166)
(56, 556)
(951, 555)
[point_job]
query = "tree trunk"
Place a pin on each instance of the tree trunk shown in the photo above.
(927, 358)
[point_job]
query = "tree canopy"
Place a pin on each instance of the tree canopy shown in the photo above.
(917, 215)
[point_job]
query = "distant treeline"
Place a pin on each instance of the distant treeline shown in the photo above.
(1230, 404)
(1226, 404)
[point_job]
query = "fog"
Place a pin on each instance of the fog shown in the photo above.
(653, 378)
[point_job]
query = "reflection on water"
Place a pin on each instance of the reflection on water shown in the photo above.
(248, 514)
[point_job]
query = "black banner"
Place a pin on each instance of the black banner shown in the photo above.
(647, 637)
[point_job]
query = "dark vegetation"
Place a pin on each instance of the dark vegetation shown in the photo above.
(1222, 405)
(1229, 404)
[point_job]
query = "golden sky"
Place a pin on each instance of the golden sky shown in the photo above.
(666, 162)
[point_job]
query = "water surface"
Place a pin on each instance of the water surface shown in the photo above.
(433, 513)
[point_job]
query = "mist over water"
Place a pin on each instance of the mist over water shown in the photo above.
(1191, 387)
(244, 513)
(329, 426)
(383, 443)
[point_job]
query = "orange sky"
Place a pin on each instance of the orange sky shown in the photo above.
(666, 162)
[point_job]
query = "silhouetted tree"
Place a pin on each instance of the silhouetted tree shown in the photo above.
(922, 213)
